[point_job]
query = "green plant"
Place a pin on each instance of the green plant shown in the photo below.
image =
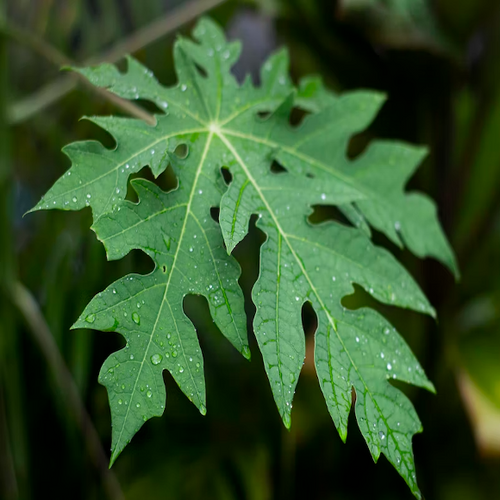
(223, 141)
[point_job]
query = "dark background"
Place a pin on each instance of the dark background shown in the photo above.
(439, 63)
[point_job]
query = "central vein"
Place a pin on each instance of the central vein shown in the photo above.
(167, 285)
(285, 237)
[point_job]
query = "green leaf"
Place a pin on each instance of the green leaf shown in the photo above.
(176, 230)
(244, 129)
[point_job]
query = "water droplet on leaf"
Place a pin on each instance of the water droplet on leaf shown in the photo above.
(156, 359)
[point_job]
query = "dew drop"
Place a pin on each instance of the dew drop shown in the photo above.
(149, 394)
(389, 366)
(90, 318)
(156, 359)
(136, 318)
(381, 435)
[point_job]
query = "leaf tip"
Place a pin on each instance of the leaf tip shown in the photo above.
(245, 351)
(287, 419)
(79, 323)
(380, 98)
(114, 456)
(343, 433)
(36, 208)
(430, 387)
(230, 246)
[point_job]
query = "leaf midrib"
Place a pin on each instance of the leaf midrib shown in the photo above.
(129, 159)
(303, 270)
(167, 285)
(368, 194)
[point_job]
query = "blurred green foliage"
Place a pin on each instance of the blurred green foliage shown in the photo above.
(439, 63)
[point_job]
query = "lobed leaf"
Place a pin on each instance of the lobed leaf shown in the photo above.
(246, 129)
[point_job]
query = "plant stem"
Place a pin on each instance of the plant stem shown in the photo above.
(40, 100)
(28, 307)
(57, 89)
(13, 449)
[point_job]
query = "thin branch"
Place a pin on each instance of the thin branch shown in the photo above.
(35, 43)
(28, 307)
(57, 89)
(40, 100)
(127, 106)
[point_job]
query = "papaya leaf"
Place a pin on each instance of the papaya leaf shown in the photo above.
(245, 129)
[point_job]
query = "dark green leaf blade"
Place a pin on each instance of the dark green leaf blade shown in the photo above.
(185, 243)
(244, 128)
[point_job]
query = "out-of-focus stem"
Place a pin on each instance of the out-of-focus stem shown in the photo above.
(41, 333)
(13, 450)
(41, 99)
(57, 89)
